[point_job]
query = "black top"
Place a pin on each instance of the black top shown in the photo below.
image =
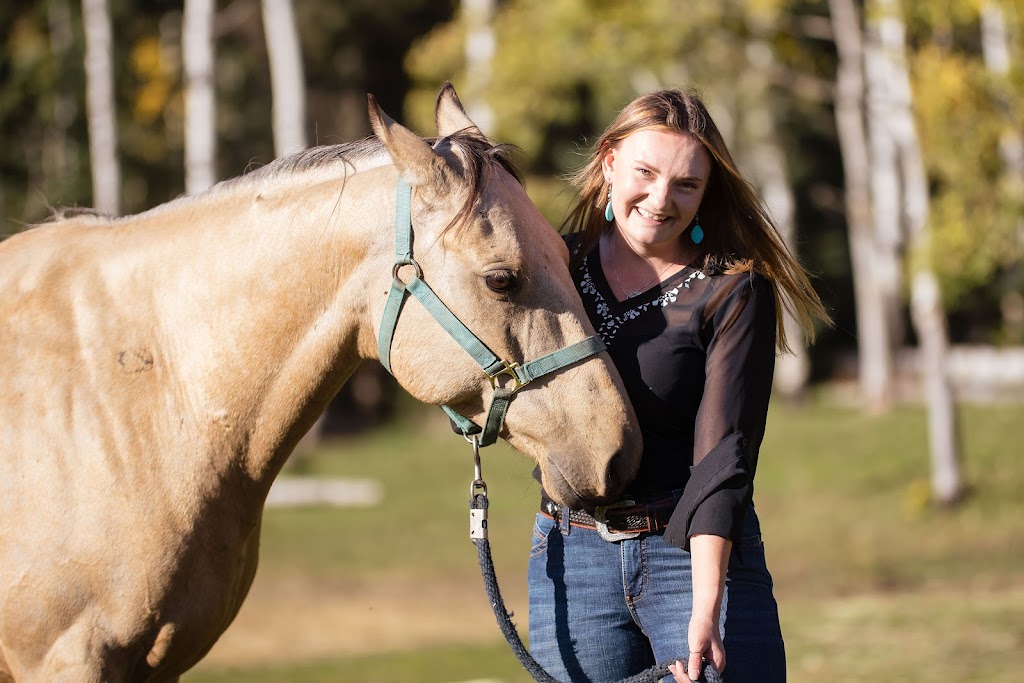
(697, 356)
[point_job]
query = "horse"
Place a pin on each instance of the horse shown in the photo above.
(159, 368)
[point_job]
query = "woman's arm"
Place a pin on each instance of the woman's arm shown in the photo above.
(740, 319)
(728, 431)
(710, 557)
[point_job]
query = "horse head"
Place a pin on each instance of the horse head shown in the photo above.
(502, 270)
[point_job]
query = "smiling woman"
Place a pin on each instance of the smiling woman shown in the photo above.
(656, 180)
(685, 277)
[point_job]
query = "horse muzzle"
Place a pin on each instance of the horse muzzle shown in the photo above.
(576, 492)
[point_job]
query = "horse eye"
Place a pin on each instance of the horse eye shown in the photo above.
(503, 281)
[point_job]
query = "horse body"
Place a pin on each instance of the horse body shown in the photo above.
(159, 369)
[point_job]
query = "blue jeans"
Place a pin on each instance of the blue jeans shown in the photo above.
(602, 611)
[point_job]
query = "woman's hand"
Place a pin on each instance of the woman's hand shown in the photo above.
(705, 645)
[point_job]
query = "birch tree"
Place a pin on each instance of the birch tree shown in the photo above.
(995, 47)
(101, 111)
(881, 64)
(874, 347)
(200, 108)
(901, 198)
(768, 169)
(287, 79)
(480, 46)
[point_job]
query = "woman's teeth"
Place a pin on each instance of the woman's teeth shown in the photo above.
(651, 216)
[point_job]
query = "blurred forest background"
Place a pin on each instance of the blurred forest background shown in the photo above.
(887, 138)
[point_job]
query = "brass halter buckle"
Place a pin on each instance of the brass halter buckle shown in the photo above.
(601, 520)
(510, 370)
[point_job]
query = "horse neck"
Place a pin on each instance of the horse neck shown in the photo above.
(270, 315)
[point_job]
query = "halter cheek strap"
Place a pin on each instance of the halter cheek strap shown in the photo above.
(506, 377)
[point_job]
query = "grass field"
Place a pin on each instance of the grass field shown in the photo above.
(874, 583)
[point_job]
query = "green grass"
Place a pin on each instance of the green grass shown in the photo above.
(874, 582)
(437, 665)
(425, 471)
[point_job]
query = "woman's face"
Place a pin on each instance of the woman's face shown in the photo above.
(658, 178)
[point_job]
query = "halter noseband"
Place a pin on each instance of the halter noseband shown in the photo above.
(494, 367)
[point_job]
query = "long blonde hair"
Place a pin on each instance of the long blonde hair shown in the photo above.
(740, 235)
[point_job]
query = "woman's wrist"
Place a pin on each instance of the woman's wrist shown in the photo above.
(710, 558)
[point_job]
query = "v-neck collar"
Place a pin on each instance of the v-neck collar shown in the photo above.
(597, 273)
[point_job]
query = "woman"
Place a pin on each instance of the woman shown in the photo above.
(685, 277)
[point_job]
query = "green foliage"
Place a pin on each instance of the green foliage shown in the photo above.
(561, 71)
(974, 218)
(349, 49)
(564, 67)
(42, 154)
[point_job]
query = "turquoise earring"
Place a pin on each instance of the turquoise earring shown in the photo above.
(609, 215)
(696, 232)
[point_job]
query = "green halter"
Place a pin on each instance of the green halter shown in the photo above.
(493, 367)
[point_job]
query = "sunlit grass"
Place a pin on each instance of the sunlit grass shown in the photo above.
(874, 582)
(480, 664)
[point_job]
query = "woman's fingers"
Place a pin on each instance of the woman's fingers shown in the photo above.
(679, 673)
(696, 665)
(718, 656)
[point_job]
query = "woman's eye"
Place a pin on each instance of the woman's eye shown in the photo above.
(503, 281)
(644, 171)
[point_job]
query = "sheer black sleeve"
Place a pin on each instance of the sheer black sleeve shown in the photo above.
(739, 329)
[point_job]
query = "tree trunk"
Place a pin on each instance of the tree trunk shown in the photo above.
(874, 348)
(928, 317)
(480, 45)
(768, 165)
(996, 51)
(200, 108)
(100, 106)
(943, 438)
(881, 69)
(286, 76)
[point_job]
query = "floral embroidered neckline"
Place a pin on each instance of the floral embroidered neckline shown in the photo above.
(610, 323)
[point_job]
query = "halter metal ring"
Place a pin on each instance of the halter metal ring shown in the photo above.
(510, 370)
(406, 262)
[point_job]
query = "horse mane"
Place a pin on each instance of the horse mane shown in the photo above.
(476, 153)
(355, 156)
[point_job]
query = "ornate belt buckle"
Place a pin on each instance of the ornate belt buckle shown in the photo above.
(602, 522)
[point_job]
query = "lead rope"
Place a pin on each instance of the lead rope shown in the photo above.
(478, 503)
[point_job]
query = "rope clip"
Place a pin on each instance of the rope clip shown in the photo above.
(477, 495)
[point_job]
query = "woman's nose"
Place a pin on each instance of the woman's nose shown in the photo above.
(661, 192)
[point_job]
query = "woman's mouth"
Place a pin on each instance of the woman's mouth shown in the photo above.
(657, 217)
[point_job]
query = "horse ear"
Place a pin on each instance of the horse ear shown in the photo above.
(411, 153)
(450, 115)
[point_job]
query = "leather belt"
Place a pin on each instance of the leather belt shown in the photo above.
(619, 521)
